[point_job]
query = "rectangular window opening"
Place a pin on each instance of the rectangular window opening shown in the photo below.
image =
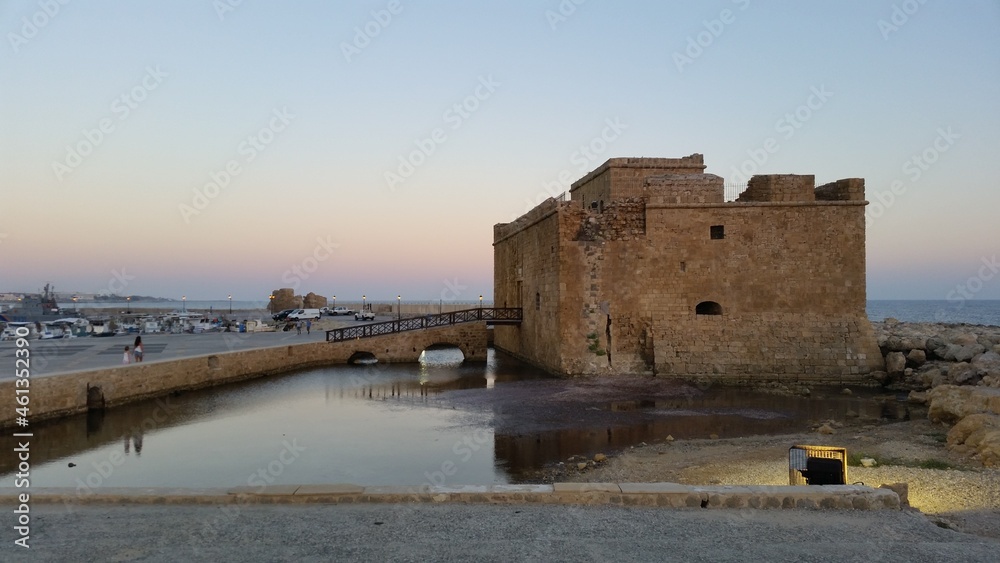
(718, 232)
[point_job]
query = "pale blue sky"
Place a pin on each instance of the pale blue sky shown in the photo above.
(313, 208)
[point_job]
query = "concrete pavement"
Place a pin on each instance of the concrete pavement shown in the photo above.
(483, 532)
(51, 357)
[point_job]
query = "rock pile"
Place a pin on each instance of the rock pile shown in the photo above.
(921, 356)
(955, 369)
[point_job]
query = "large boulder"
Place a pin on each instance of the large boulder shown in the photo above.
(977, 434)
(949, 352)
(936, 347)
(951, 403)
(987, 364)
(965, 339)
(933, 378)
(968, 352)
(895, 363)
(963, 373)
(916, 358)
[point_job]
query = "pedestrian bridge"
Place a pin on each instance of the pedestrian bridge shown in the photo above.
(403, 340)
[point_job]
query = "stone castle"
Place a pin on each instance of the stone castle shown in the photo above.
(647, 269)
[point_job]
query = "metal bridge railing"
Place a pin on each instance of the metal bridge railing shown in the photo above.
(492, 315)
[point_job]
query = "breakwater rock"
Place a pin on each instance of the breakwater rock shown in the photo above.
(955, 369)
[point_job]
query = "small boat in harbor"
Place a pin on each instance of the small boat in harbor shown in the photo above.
(102, 326)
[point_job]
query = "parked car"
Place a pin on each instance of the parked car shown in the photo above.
(340, 311)
(303, 314)
(364, 316)
(282, 315)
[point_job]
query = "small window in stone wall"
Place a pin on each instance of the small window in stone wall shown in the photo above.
(538, 301)
(718, 231)
(708, 308)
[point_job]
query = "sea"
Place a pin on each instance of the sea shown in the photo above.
(971, 311)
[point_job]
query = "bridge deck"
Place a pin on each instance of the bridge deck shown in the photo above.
(491, 315)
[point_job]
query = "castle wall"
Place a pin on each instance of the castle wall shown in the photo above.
(625, 177)
(788, 278)
(526, 270)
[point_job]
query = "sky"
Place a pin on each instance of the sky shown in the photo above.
(211, 148)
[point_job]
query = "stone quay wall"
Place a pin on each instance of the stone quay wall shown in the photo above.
(73, 393)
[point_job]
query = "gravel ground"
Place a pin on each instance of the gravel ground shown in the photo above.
(961, 494)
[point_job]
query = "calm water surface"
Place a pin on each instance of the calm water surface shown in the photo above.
(439, 422)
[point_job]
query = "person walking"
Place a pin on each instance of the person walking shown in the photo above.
(298, 327)
(138, 349)
(309, 325)
(127, 358)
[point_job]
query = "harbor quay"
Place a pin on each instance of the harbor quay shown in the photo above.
(74, 375)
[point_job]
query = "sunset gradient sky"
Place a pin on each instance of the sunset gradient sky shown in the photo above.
(116, 116)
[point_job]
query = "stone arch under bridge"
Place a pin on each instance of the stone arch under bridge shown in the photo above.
(405, 347)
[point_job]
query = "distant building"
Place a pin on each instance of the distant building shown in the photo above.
(648, 270)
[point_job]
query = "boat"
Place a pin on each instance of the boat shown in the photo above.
(102, 326)
(10, 331)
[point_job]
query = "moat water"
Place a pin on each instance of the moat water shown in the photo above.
(438, 422)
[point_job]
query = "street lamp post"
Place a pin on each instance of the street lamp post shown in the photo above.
(363, 299)
(128, 304)
(230, 303)
(399, 310)
(74, 304)
(334, 302)
(480, 306)
(270, 303)
(184, 303)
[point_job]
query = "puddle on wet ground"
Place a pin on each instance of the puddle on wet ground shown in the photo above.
(439, 422)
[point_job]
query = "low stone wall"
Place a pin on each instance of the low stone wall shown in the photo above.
(844, 497)
(73, 393)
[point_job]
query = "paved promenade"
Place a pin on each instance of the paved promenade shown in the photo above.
(51, 357)
(483, 532)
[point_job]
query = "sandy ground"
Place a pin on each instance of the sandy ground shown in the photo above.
(953, 491)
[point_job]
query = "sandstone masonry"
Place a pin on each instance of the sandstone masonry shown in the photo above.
(648, 270)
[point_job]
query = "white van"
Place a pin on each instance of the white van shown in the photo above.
(303, 314)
